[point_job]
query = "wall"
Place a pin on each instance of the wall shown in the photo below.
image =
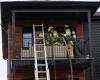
(19, 37)
(96, 49)
(27, 73)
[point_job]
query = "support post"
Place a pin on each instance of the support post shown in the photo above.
(13, 35)
(90, 43)
(90, 35)
(13, 45)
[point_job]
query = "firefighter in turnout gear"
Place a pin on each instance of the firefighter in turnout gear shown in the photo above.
(70, 45)
(50, 29)
(41, 35)
(55, 36)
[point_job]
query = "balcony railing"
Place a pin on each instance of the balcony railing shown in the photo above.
(55, 51)
(81, 50)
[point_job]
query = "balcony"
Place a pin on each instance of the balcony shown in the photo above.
(24, 47)
(58, 54)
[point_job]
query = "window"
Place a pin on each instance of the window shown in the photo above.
(27, 36)
(27, 39)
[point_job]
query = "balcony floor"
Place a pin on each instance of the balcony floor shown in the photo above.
(77, 63)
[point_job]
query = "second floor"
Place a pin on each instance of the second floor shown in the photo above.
(18, 38)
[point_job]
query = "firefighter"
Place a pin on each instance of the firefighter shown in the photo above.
(51, 29)
(70, 45)
(41, 35)
(54, 34)
(67, 33)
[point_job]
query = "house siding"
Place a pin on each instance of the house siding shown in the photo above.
(96, 49)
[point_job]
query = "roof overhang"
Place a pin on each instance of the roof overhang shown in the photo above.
(93, 6)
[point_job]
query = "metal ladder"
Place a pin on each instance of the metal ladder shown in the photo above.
(40, 55)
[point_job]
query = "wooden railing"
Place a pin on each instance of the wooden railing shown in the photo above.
(55, 51)
(27, 52)
(81, 50)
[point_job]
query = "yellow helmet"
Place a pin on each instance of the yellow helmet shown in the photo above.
(66, 26)
(41, 35)
(50, 28)
(55, 34)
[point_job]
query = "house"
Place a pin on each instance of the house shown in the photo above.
(18, 19)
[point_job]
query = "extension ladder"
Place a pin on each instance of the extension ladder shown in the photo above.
(40, 55)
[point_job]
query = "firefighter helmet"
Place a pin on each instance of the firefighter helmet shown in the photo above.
(50, 29)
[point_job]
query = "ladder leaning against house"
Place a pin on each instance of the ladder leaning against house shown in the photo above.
(40, 55)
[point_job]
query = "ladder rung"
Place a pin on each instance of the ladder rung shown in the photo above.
(41, 71)
(40, 64)
(43, 78)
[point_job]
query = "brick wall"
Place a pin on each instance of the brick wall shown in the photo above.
(80, 32)
(62, 74)
(18, 40)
